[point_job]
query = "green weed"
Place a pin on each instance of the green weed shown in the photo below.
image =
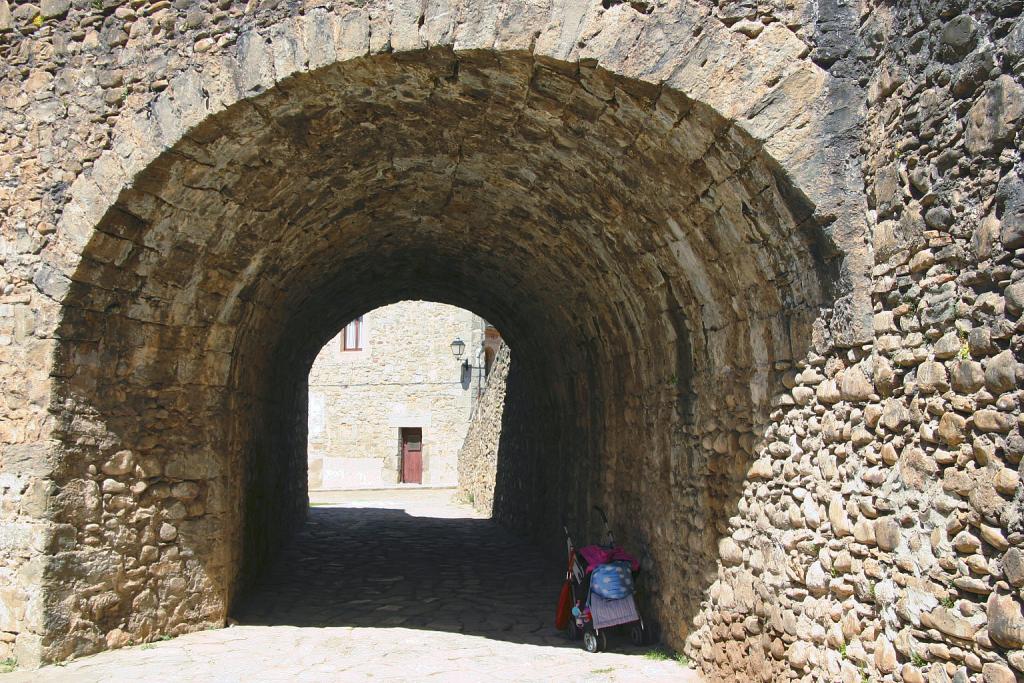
(965, 349)
(8, 665)
(656, 655)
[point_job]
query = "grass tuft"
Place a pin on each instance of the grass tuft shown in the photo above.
(658, 654)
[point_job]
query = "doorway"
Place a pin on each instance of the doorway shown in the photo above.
(412, 455)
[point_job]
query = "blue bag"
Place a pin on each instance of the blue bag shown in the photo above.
(612, 581)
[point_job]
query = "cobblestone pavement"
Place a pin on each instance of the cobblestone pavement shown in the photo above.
(395, 586)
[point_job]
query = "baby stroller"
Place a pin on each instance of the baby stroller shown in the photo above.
(598, 593)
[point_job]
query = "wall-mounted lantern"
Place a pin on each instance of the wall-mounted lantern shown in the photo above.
(458, 347)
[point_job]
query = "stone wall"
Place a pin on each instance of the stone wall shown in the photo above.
(759, 263)
(478, 457)
(403, 376)
(879, 535)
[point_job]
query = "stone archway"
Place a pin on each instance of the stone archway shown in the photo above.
(268, 195)
(636, 291)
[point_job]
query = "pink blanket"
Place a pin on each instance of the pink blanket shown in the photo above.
(595, 555)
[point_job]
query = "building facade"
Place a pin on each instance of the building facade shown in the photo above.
(389, 403)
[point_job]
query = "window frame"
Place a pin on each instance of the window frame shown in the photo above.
(358, 322)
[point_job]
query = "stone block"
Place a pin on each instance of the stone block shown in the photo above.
(887, 533)
(958, 37)
(992, 421)
(1001, 373)
(1013, 567)
(1005, 623)
(993, 119)
(12, 608)
(967, 376)
(121, 463)
(932, 378)
(51, 9)
(997, 673)
(949, 622)
(1013, 296)
(855, 386)
(190, 465)
(729, 552)
(28, 649)
(916, 467)
(1010, 205)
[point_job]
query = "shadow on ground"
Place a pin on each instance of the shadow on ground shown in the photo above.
(377, 567)
(385, 593)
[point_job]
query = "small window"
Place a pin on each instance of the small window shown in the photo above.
(352, 336)
(415, 440)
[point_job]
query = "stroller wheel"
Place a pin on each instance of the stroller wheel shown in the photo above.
(637, 633)
(593, 642)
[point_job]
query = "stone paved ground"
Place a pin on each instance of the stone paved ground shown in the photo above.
(406, 587)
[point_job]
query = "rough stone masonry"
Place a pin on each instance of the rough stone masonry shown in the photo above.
(760, 264)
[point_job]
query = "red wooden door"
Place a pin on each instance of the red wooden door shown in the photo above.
(412, 455)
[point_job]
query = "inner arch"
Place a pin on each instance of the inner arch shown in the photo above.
(654, 269)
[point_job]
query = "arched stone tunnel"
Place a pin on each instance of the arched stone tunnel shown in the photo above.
(760, 264)
(654, 268)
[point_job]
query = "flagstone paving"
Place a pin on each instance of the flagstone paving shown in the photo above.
(387, 586)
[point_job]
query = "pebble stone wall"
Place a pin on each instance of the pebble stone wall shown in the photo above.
(760, 262)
